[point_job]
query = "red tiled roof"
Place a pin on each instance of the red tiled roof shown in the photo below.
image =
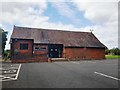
(67, 38)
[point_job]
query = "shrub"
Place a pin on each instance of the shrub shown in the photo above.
(6, 55)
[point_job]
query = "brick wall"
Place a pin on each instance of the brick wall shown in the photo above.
(84, 53)
(41, 53)
(95, 53)
(15, 45)
(30, 55)
(72, 53)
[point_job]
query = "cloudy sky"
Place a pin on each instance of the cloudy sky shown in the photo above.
(71, 15)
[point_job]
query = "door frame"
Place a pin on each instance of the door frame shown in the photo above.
(57, 50)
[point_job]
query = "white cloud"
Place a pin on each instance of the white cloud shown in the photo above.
(14, 12)
(59, 1)
(98, 12)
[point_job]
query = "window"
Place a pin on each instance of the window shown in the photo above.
(36, 48)
(40, 48)
(23, 46)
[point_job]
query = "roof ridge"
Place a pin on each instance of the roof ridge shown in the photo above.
(61, 30)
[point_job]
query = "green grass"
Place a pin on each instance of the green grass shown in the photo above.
(112, 56)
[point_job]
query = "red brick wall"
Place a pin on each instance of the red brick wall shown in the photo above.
(29, 55)
(16, 45)
(80, 53)
(95, 53)
(84, 53)
(40, 54)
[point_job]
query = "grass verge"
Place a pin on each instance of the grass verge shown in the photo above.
(112, 56)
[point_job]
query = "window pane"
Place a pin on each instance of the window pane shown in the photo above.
(23, 46)
(36, 48)
(40, 48)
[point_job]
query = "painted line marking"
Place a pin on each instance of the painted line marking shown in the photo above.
(89, 61)
(9, 78)
(61, 62)
(74, 62)
(107, 76)
(18, 71)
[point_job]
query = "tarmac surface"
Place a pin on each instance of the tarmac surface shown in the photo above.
(71, 74)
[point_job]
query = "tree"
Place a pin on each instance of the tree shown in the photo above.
(107, 51)
(114, 51)
(3, 35)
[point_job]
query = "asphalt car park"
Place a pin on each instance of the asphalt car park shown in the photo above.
(68, 74)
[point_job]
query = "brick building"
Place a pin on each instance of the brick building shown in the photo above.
(33, 44)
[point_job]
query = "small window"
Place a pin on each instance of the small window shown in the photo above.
(40, 48)
(36, 48)
(23, 46)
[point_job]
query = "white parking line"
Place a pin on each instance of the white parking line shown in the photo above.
(61, 62)
(107, 76)
(8, 78)
(90, 61)
(18, 71)
(75, 62)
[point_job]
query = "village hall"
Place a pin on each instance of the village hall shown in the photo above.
(41, 45)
